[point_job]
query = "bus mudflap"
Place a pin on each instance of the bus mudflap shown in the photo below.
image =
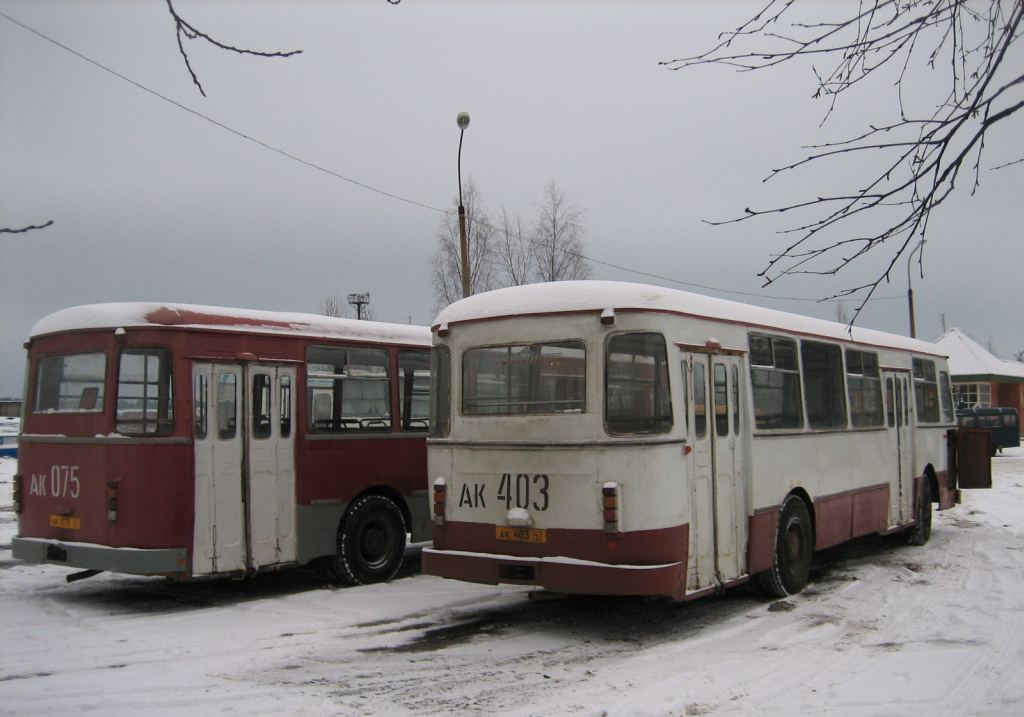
(970, 458)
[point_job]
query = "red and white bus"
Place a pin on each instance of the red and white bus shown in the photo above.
(193, 441)
(611, 438)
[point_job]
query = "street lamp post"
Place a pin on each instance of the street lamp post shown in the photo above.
(463, 121)
(910, 290)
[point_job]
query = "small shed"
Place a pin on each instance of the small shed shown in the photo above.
(981, 379)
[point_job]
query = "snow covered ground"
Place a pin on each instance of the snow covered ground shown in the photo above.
(882, 630)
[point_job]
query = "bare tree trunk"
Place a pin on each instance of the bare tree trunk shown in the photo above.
(557, 240)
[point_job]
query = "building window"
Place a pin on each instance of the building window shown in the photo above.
(973, 395)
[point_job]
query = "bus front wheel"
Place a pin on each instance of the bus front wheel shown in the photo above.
(794, 545)
(371, 542)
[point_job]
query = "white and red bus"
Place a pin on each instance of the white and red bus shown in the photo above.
(611, 438)
(193, 441)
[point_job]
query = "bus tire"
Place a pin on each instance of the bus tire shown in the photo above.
(371, 542)
(921, 530)
(794, 546)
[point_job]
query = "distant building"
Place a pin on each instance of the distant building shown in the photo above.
(10, 407)
(980, 379)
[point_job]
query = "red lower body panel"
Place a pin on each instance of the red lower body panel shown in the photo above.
(647, 562)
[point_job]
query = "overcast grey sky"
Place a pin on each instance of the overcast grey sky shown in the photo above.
(152, 203)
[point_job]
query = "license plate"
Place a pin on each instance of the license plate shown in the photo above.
(63, 521)
(523, 535)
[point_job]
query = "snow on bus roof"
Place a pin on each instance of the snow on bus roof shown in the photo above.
(128, 314)
(571, 296)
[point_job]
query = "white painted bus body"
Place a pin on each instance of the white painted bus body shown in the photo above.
(691, 515)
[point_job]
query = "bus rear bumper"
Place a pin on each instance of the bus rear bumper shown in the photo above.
(557, 574)
(89, 556)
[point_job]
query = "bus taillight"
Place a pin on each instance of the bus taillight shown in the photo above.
(16, 490)
(440, 490)
(112, 489)
(610, 496)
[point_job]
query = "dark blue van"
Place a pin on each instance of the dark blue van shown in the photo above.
(1003, 422)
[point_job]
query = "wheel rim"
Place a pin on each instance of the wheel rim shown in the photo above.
(376, 542)
(794, 544)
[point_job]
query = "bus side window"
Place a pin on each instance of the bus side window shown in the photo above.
(145, 403)
(926, 390)
(824, 388)
(349, 389)
(285, 393)
(775, 383)
(946, 397)
(440, 394)
(700, 402)
(901, 405)
(890, 403)
(414, 389)
(637, 397)
(261, 408)
(721, 400)
(735, 400)
(201, 400)
(226, 401)
(684, 370)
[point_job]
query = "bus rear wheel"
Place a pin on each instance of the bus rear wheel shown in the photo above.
(794, 545)
(371, 542)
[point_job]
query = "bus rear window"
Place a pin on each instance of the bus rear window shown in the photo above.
(144, 400)
(71, 383)
(525, 378)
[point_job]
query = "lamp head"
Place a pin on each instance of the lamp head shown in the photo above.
(462, 120)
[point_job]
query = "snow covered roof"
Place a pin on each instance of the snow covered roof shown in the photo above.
(970, 360)
(123, 315)
(571, 296)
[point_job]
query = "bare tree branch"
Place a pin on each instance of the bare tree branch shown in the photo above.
(189, 32)
(922, 157)
(4, 230)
